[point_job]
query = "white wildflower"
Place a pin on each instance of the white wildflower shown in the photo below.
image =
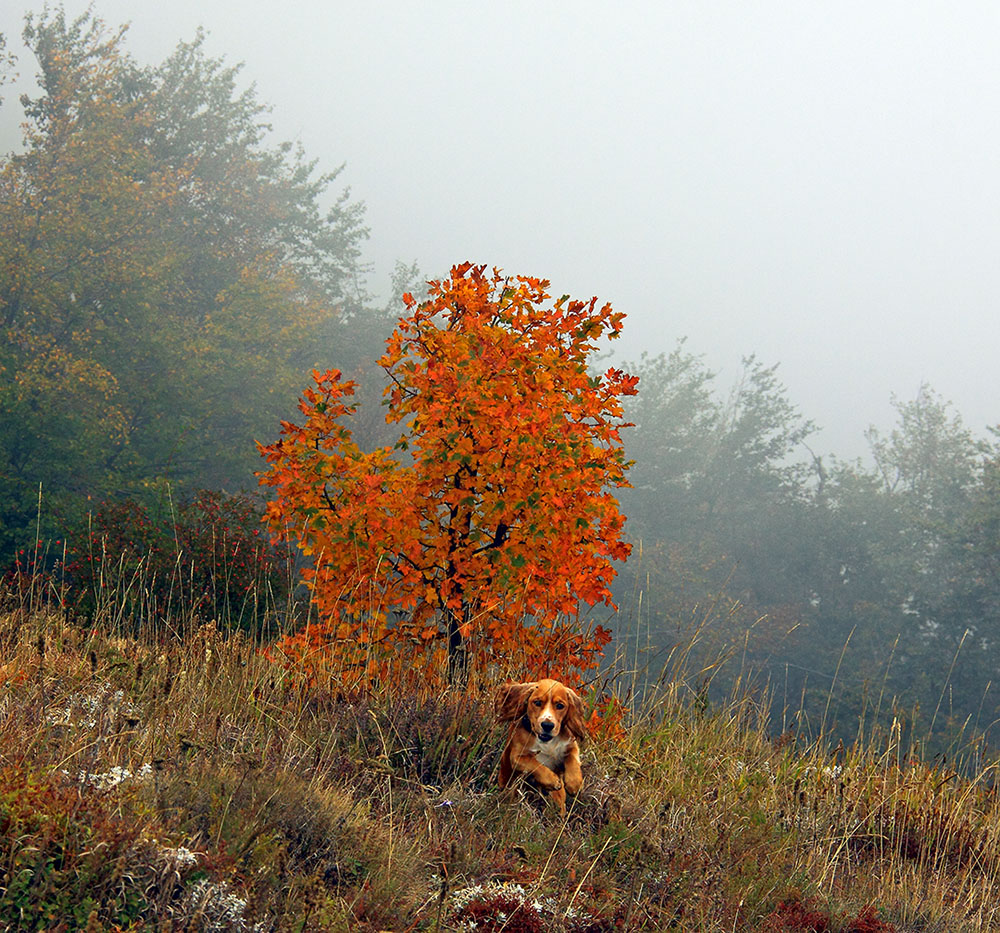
(106, 780)
(220, 908)
(182, 857)
(545, 908)
(115, 776)
(86, 709)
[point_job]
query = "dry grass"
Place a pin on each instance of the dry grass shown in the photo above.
(153, 781)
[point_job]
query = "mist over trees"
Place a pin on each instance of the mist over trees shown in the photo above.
(169, 276)
(828, 578)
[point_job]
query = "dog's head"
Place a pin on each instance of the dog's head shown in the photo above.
(548, 708)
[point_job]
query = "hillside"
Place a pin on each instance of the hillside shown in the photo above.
(169, 780)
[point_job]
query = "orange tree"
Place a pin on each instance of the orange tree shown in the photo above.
(490, 521)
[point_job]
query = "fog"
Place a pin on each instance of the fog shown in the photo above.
(813, 183)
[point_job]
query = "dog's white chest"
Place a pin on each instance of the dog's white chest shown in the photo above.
(552, 754)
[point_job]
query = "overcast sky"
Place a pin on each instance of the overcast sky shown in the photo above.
(816, 183)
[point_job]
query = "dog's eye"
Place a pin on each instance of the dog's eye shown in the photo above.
(537, 702)
(560, 705)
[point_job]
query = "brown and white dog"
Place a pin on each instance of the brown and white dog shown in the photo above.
(544, 743)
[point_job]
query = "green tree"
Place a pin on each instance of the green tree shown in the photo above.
(677, 420)
(929, 464)
(973, 554)
(895, 577)
(938, 564)
(7, 60)
(167, 277)
(716, 493)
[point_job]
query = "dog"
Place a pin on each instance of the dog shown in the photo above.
(545, 740)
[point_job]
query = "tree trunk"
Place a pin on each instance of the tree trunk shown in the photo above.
(458, 658)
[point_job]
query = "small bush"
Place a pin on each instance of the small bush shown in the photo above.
(211, 559)
(498, 912)
(34, 580)
(72, 856)
(797, 916)
(868, 921)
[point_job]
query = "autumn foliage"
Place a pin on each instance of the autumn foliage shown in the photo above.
(478, 535)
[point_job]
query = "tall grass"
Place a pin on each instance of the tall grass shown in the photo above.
(163, 773)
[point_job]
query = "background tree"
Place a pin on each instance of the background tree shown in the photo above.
(167, 277)
(496, 508)
(819, 574)
(677, 420)
(937, 475)
(7, 61)
(718, 503)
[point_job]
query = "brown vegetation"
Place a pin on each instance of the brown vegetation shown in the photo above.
(157, 781)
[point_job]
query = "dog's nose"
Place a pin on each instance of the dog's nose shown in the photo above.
(547, 725)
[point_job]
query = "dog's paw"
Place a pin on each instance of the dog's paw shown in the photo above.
(549, 781)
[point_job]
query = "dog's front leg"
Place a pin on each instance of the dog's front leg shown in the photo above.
(543, 776)
(547, 781)
(572, 774)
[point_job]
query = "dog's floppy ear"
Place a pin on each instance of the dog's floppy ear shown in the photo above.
(574, 722)
(512, 701)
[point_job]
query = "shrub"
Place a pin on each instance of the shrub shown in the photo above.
(70, 855)
(797, 916)
(211, 559)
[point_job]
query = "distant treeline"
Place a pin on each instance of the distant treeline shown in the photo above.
(848, 588)
(169, 276)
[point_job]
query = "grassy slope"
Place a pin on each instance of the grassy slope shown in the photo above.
(190, 784)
